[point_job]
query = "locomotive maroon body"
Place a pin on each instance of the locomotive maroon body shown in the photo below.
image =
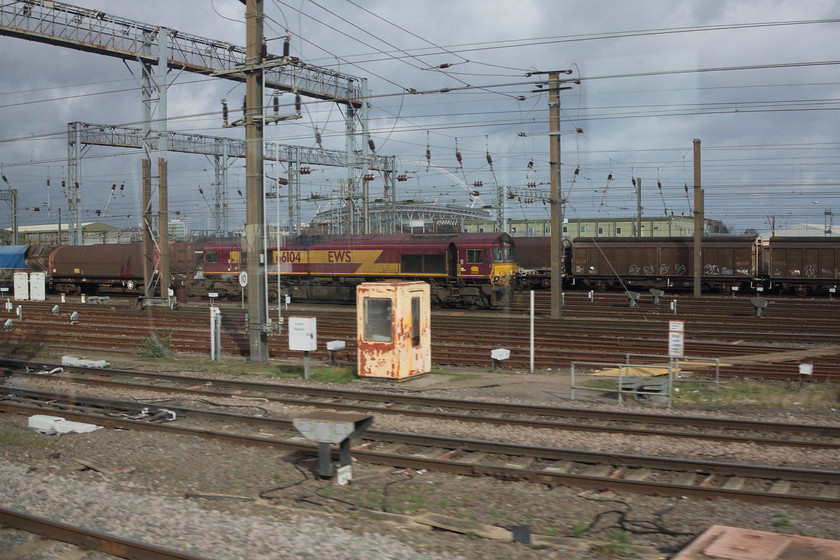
(463, 269)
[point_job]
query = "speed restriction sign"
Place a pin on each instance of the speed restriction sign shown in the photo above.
(243, 278)
(676, 339)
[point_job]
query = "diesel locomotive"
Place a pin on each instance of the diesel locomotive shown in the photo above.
(467, 270)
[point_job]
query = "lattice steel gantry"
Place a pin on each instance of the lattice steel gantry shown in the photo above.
(65, 25)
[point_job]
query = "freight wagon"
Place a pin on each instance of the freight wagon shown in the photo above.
(803, 264)
(114, 267)
(668, 262)
(533, 257)
(660, 262)
(21, 258)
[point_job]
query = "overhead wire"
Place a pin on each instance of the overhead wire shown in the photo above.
(302, 13)
(395, 129)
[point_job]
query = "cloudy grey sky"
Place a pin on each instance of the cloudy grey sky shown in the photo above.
(757, 82)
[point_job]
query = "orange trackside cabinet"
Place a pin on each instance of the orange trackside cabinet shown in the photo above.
(393, 329)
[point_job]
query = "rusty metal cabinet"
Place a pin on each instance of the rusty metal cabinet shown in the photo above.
(393, 329)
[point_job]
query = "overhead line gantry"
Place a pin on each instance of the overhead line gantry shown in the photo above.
(222, 149)
(65, 25)
(159, 49)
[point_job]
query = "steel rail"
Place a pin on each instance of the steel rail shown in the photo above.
(88, 539)
(193, 339)
(478, 411)
(466, 444)
(469, 468)
(593, 327)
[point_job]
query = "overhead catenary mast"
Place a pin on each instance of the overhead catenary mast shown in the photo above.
(255, 264)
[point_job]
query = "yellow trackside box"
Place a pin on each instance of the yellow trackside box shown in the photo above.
(393, 329)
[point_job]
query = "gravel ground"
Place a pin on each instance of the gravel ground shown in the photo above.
(228, 502)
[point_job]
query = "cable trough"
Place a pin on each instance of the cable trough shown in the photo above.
(469, 457)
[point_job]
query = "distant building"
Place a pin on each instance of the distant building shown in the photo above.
(179, 229)
(669, 226)
(803, 230)
(408, 216)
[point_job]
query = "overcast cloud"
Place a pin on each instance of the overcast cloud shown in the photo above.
(757, 82)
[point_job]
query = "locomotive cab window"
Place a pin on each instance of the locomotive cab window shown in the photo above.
(475, 256)
(503, 254)
(211, 257)
(378, 318)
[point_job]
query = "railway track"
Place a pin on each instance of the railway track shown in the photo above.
(620, 423)
(468, 457)
(601, 330)
(29, 535)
